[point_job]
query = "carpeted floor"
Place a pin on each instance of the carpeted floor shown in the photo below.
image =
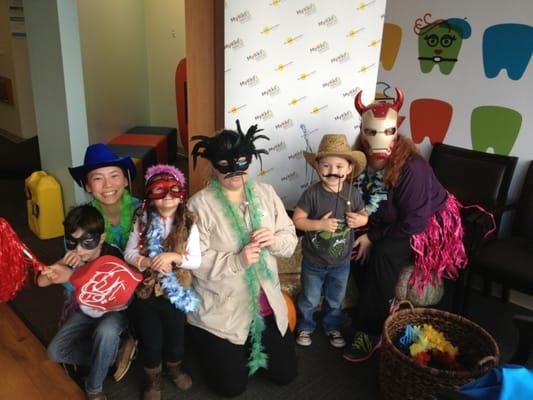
(322, 372)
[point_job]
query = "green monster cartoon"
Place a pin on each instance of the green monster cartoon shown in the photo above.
(439, 42)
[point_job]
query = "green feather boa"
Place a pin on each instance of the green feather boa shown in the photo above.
(127, 209)
(258, 358)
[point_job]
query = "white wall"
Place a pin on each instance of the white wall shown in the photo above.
(165, 44)
(293, 68)
(113, 44)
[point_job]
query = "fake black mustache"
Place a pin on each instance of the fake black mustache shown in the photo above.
(333, 176)
(232, 174)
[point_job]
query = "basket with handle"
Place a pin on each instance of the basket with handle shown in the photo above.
(402, 378)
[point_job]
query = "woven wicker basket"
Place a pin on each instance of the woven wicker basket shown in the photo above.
(401, 378)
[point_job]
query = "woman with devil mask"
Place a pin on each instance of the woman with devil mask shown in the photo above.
(242, 321)
(412, 219)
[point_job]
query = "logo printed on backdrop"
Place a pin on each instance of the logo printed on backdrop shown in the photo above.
(272, 91)
(264, 116)
(332, 83)
(296, 156)
(329, 21)
(263, 172)
(316, 110)
(374, 43)
(290, 176)
(242, 17)
(308, 10)
(257, 55)
(341, 58)
(281, 67)
(295, 101)
(320, 48)
(278, 147)
(291, 39)
(352, 92)
(345, 116)
(235, 44)
(352, 32)
(267, 29)
(285, 124)
(363, 6)
(234, 109)
(304, 76)
(365, 68)
(251, 81)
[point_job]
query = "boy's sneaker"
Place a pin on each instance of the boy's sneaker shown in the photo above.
(362, 347)
(304, 338)
(126, 353)
(336, 339)
(96, 396)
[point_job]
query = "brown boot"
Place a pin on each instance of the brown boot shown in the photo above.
(152, 390)
(181, 378)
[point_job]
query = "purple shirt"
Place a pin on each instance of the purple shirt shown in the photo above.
(410, 204)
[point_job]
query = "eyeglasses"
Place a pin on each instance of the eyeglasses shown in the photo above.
(88, 241)
(445, 41)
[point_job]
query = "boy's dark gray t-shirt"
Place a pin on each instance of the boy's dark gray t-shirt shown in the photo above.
(324, 248)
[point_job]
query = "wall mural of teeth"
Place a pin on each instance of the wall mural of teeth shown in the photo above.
(295, 72)
(467, 75)
(430, 118)
(509, 47)
(495, 128)
(439, 42)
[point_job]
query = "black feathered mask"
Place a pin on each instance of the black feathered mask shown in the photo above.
(231, 147)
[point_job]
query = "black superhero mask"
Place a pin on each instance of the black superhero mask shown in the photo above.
(88, 241)
(230, 152)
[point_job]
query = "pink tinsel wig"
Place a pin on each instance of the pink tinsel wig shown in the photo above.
(165, 169)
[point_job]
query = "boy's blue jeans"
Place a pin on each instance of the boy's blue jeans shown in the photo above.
(330, 280)
(83, 340)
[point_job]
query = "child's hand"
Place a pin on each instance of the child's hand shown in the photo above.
(163, 262)
(71, 259)
(57, 273)
(263, 237)
(328, 224)
(356, 220)
(250, 254)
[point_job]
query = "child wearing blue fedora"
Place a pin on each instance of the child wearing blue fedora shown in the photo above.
(105, 176)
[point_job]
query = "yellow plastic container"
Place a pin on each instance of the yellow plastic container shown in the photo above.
(44, 205)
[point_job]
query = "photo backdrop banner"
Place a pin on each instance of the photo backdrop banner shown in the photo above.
(294, 68)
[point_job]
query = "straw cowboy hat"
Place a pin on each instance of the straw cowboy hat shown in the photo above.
(337, 145)
(97, 156)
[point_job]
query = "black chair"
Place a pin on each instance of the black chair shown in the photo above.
(509, 260)
(478, 178)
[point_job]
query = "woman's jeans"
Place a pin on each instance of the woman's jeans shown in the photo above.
(330, 281)
(84, 340)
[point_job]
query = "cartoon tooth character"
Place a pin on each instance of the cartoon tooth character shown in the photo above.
(439, 42)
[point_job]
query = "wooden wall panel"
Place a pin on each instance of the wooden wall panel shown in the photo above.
(204, 37)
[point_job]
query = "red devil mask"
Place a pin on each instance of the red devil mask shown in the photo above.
(379, 125)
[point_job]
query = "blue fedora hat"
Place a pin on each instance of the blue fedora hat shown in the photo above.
(97, 156)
